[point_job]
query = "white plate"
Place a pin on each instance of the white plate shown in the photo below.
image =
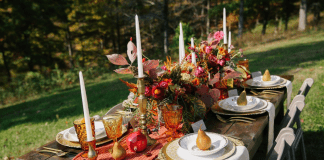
(253, 83)
(188, 143)
(71, 135)
(274, 79)
(261, 105)
(231, 103)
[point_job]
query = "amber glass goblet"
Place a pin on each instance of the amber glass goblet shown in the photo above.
(244, 63)
(80, 129)
(113, 125)
(172, 115)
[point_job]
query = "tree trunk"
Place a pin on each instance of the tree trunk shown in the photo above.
(287, 13)
(69, 45)
(166, 35)
(207, 18)
(265, 16)
(202, 15)
(5, 62)
(240, 25)
(302, 15)
(117, 28)
(276, 23)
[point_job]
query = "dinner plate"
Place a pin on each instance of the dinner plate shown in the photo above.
(188, 143)
(231, 103)
(61, 140)
(260, 106)
(100, 133)
(253, 83)
(274, 79)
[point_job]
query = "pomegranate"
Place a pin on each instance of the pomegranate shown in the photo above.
(136, 141)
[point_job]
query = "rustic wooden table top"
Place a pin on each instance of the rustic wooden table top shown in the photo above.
(251, 134)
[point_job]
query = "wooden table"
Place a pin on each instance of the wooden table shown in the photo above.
(252, 134)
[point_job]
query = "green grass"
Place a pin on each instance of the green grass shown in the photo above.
(30, 124)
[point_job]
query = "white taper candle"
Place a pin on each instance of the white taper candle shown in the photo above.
(224, 26)
(229, 41)
(193, 54)
(182, 51)
(85, 108)
(139, 49)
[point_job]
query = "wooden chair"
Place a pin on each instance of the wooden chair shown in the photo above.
(281, 146)
(291, 118)
(306, 86)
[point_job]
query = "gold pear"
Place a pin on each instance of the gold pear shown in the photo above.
(241, 100)
(266, 76)
(118, 152)
(203, 141)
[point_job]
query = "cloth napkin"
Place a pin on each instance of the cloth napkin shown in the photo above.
(271, 111)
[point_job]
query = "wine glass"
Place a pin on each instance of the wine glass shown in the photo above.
(113, 125)
(172, 115)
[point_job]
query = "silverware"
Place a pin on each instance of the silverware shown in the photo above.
(247, 118)
(58, 153)
(232, 120)
(233, 137)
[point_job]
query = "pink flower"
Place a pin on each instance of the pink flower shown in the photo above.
(221, 62)
(208, 49)
(199, 72)
(231, 47)
(164, 67)
(241, 50)
(164, 84)
(219, 35)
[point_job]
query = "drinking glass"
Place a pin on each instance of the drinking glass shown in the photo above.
(172, 115)
(113, 125)
(244, 63)
(80, 129)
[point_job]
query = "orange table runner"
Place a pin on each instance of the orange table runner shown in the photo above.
(103, 153)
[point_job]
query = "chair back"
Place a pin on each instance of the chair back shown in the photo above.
(281, 146)
(292, 115)
(256, 74)
(306, 86)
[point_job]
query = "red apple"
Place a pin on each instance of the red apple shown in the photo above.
(136, 141)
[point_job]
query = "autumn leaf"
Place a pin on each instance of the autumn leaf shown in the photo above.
(214, 93)
(203, 90)
(150, 64)
(117, 59)
(153, 73)
(215, 79)
(231, 74)
(131, 48)
(130, 85)
(123, 71)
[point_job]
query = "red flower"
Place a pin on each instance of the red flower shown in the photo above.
(158, 92)
(213, 60)
(208, 49)
(221, 62)
(163, 84)
(143, 60)
(148, 91)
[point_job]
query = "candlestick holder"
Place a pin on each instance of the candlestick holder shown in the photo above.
(225, 46)
(91, 154)
(142, 104)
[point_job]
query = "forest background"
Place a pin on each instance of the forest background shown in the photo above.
(44, 43)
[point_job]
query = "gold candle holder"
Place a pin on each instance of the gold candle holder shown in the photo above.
(92, 153)
(225, 46)
(142, 104)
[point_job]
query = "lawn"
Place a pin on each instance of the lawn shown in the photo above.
(27, 125)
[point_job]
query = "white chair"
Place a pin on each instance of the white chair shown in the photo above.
(291, 118)
(306, 86)
(256, 74)
(281, 146)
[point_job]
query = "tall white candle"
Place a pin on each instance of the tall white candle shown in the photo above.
(224, 26)
(85, 108)
(139, 49)
(229, 41)
(193, 54)
(182, 52)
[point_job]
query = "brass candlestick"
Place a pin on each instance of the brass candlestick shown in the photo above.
(225, 46)
(92, 153)
(142, 103)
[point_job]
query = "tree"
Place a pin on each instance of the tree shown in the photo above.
(207, 20)
(166, 26)
(240, 24)
(266, 10)
(302, 15)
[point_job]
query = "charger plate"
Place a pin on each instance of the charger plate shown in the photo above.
(229, 149)
(218, 110)
(61, 140)
(280, 84)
